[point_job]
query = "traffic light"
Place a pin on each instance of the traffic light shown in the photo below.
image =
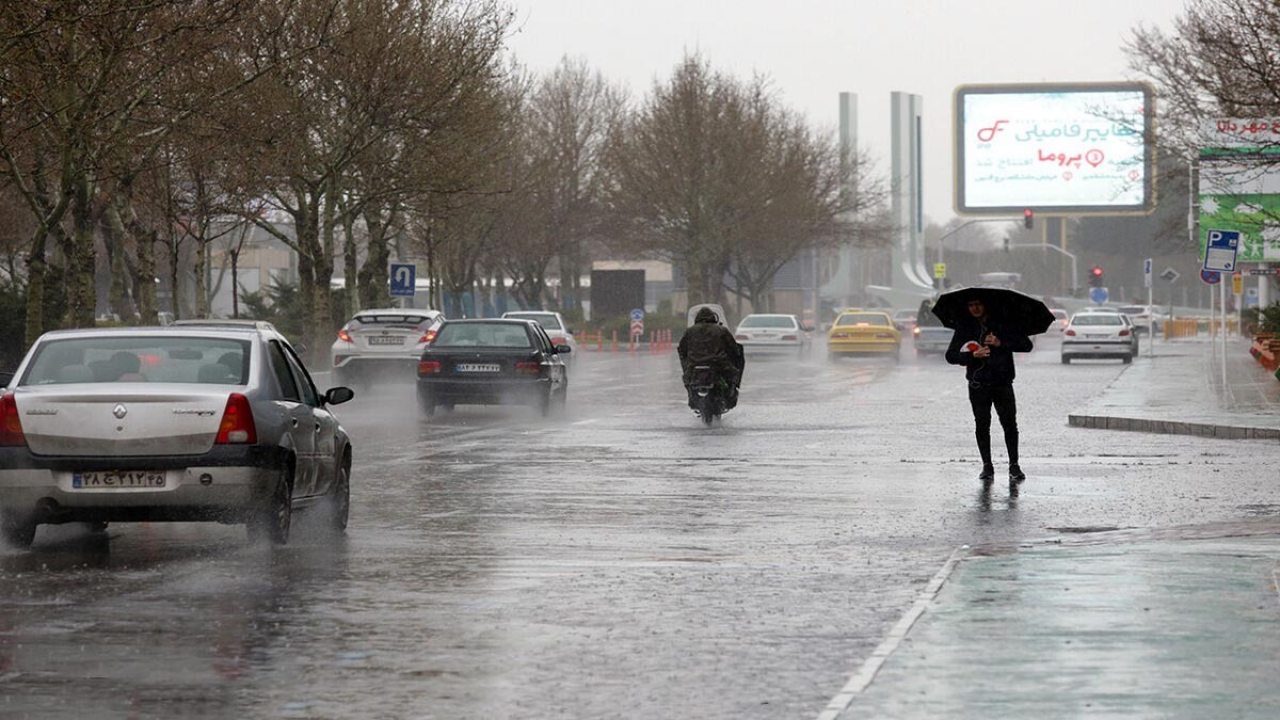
(1028, 218)
(1095, 276)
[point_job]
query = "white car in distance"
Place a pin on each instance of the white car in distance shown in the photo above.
(772, 332)
(553, 323)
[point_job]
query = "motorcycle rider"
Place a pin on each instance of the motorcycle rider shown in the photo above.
(707, 342)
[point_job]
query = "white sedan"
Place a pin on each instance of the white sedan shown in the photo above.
(779, 333)
(1095, 334)
(552, 322)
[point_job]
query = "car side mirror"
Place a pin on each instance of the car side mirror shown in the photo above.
(568, 331)
(338, 395)
(563, 349)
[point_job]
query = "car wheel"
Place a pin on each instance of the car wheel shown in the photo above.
(1066, 360)
(340, 501)
(271, 522)
(426, 404)
(17, 530)
(546, 404)
(1126, 359)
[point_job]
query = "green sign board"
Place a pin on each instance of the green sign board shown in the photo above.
(1255, 216)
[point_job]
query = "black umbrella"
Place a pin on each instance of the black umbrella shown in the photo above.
(1015, 311)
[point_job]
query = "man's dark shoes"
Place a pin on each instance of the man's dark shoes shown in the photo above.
(988, 474)
(1015, 474)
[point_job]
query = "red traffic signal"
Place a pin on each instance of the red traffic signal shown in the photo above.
(1028, 218)
(1095, 276)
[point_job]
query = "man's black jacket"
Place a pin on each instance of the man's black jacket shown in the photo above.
(996, 369)
(710, 343)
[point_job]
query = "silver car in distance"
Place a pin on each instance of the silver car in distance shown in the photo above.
(169, 424)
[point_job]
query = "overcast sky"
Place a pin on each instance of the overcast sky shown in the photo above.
(814, 49)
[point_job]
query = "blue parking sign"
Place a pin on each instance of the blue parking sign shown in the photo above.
(1220, 253)
(404, 279)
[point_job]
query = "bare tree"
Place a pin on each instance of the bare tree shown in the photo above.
(715, 175)
(79, 83)
(1221, 59)
(388, 75)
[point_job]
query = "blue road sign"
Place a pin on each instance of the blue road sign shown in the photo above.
(637, 315)
(1220, 254)
(1211, 277)
(1098, 295)
(404, 279)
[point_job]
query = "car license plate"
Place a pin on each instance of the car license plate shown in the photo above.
(479, 367)
(386, 340)
(116, 480)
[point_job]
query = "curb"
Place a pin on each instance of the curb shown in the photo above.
(1173, 427)
(861, 679)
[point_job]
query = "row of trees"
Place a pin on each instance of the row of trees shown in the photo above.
(135, 136)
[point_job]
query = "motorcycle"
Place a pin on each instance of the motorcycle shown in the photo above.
(709, 393)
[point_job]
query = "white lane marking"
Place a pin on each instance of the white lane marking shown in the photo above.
(588, 421)
(861, 679)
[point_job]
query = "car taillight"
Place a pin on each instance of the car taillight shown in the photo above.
(741, 336)
(528, 367)
(1124, 332)
(344, 336)
(428, 367)
(884, 335)
(427, 337)
(1070, 332)
(559, 341)
(790, 337)
(838, 335)
(237, 422)
(10, 424)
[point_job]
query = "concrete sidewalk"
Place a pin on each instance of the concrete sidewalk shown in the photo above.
(1096, 629)
(1177, 622)
(1182, 391)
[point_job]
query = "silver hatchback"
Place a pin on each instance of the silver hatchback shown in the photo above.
(169, 424)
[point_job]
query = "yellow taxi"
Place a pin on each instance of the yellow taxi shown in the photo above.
(863, 331)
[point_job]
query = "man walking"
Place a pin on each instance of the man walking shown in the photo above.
(986, 347)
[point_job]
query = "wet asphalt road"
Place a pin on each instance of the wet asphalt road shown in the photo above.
(621, 561)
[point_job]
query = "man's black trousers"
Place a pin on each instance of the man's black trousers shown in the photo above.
(982, 397)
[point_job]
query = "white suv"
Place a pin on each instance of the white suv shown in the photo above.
(382, 343)
(1140, 315)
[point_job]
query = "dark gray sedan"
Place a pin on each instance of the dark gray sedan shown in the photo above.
(490, 362)
(168, 424)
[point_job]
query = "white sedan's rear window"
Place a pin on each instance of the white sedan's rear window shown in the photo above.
(547, 320)
(769, 321)
(211, 361)
(1098, 320)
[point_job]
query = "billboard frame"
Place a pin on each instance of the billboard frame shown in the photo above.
(1148, 149)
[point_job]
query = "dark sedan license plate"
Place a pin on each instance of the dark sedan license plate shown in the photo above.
(116, 480)
(479, 367)
(388, 340)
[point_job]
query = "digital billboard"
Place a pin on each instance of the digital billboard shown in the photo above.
(1065, 149)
